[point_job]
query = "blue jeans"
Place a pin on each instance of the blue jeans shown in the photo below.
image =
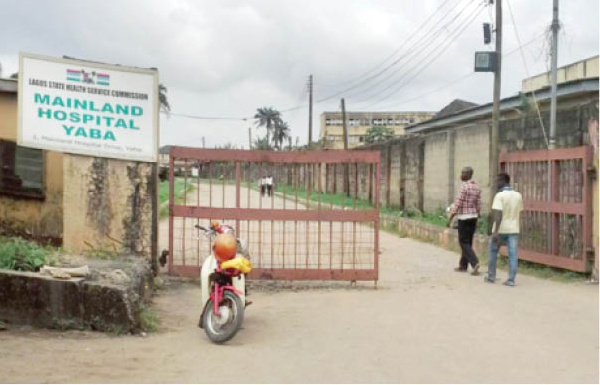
(511, 241)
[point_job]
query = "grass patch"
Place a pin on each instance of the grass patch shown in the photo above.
(148, 319)
(437, 218)
(163, 194)
(23, 255)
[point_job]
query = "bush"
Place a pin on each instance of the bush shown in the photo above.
(19, 254)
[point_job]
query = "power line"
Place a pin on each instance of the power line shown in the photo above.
(390, 65)
(527, 72)
(463, 77)
(414, 48)
(459, 32)
(418, 29)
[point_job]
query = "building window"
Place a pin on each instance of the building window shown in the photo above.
(21, 170)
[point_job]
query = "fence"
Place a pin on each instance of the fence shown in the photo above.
(299, 232)
(557, 221)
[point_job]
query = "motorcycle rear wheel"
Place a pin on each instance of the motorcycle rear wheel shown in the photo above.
(224, 327)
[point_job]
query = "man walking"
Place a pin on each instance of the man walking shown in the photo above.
(506, 212)
(467, 207)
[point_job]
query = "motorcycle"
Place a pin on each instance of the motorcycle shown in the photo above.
(223, 283)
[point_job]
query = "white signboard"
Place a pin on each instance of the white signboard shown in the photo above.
(86, 108)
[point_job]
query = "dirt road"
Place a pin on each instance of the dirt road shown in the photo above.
(425, 323)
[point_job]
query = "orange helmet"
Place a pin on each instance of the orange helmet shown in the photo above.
(225, 247)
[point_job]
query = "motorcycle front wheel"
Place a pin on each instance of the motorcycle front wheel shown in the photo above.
(223, 327)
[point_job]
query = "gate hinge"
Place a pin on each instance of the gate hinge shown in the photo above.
(590, 253)
(591, 172)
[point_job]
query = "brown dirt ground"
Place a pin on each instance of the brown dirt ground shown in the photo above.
(424, 323)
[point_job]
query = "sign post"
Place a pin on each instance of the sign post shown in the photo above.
(88, 108)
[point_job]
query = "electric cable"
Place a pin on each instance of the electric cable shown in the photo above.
(527, 73)
(387, 67)
(459, 32)
(408, 57)
(418, 29)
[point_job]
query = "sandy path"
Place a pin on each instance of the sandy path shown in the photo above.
(425, 323)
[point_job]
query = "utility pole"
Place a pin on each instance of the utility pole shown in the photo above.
(345, 128)
(250, 138)
(203, 143)
(310, 108)
(555, 27)
(494, 137)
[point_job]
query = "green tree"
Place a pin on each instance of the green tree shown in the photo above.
(267, 117)
(261, 144)
(281, 132)
(377, 134)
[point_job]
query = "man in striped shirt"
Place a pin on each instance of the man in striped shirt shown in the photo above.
(467, 207)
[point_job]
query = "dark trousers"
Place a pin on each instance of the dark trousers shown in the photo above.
(270, 189)
(466, 231)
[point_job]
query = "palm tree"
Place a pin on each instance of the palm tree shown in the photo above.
(162, 99)
(281, 131)
(261, 144)
(267, 117)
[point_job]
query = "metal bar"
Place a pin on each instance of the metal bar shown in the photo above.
(354, 223)
(553, 198)
(313, 274)
(544, 155)
(554, 207)
(376, 222)
(185, 169)
(587, 200)
(307, 180)
(171, 204)
(272, 196)
(388, 176)
(295, 212)
(256, 156)
(222, 177)
(579, 265)
(334, 179)
(284, 224)
(260, 197)
(238, 198)
(319, 223)
(198, 203)
(210, 178)
(186, 271)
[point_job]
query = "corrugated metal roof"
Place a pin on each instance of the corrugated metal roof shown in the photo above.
(567, 89)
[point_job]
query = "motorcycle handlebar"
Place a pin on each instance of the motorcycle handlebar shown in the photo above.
(200, 227)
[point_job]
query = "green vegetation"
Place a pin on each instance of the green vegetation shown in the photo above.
(378, 134)
(163, 194)
(438, 218)
(20, 254)
(148, 319)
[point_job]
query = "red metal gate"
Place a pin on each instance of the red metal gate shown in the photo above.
(556, 227)
(314, 227)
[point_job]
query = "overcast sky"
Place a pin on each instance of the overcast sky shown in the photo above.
(225, 58)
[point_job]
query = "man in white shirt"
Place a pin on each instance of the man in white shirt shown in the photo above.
(262, 182)
(269, 180)
(506, 212)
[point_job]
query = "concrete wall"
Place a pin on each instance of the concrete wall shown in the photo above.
(471, 148)
(108, 205)
(585, 69)
(436, 172)
(39, 218)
